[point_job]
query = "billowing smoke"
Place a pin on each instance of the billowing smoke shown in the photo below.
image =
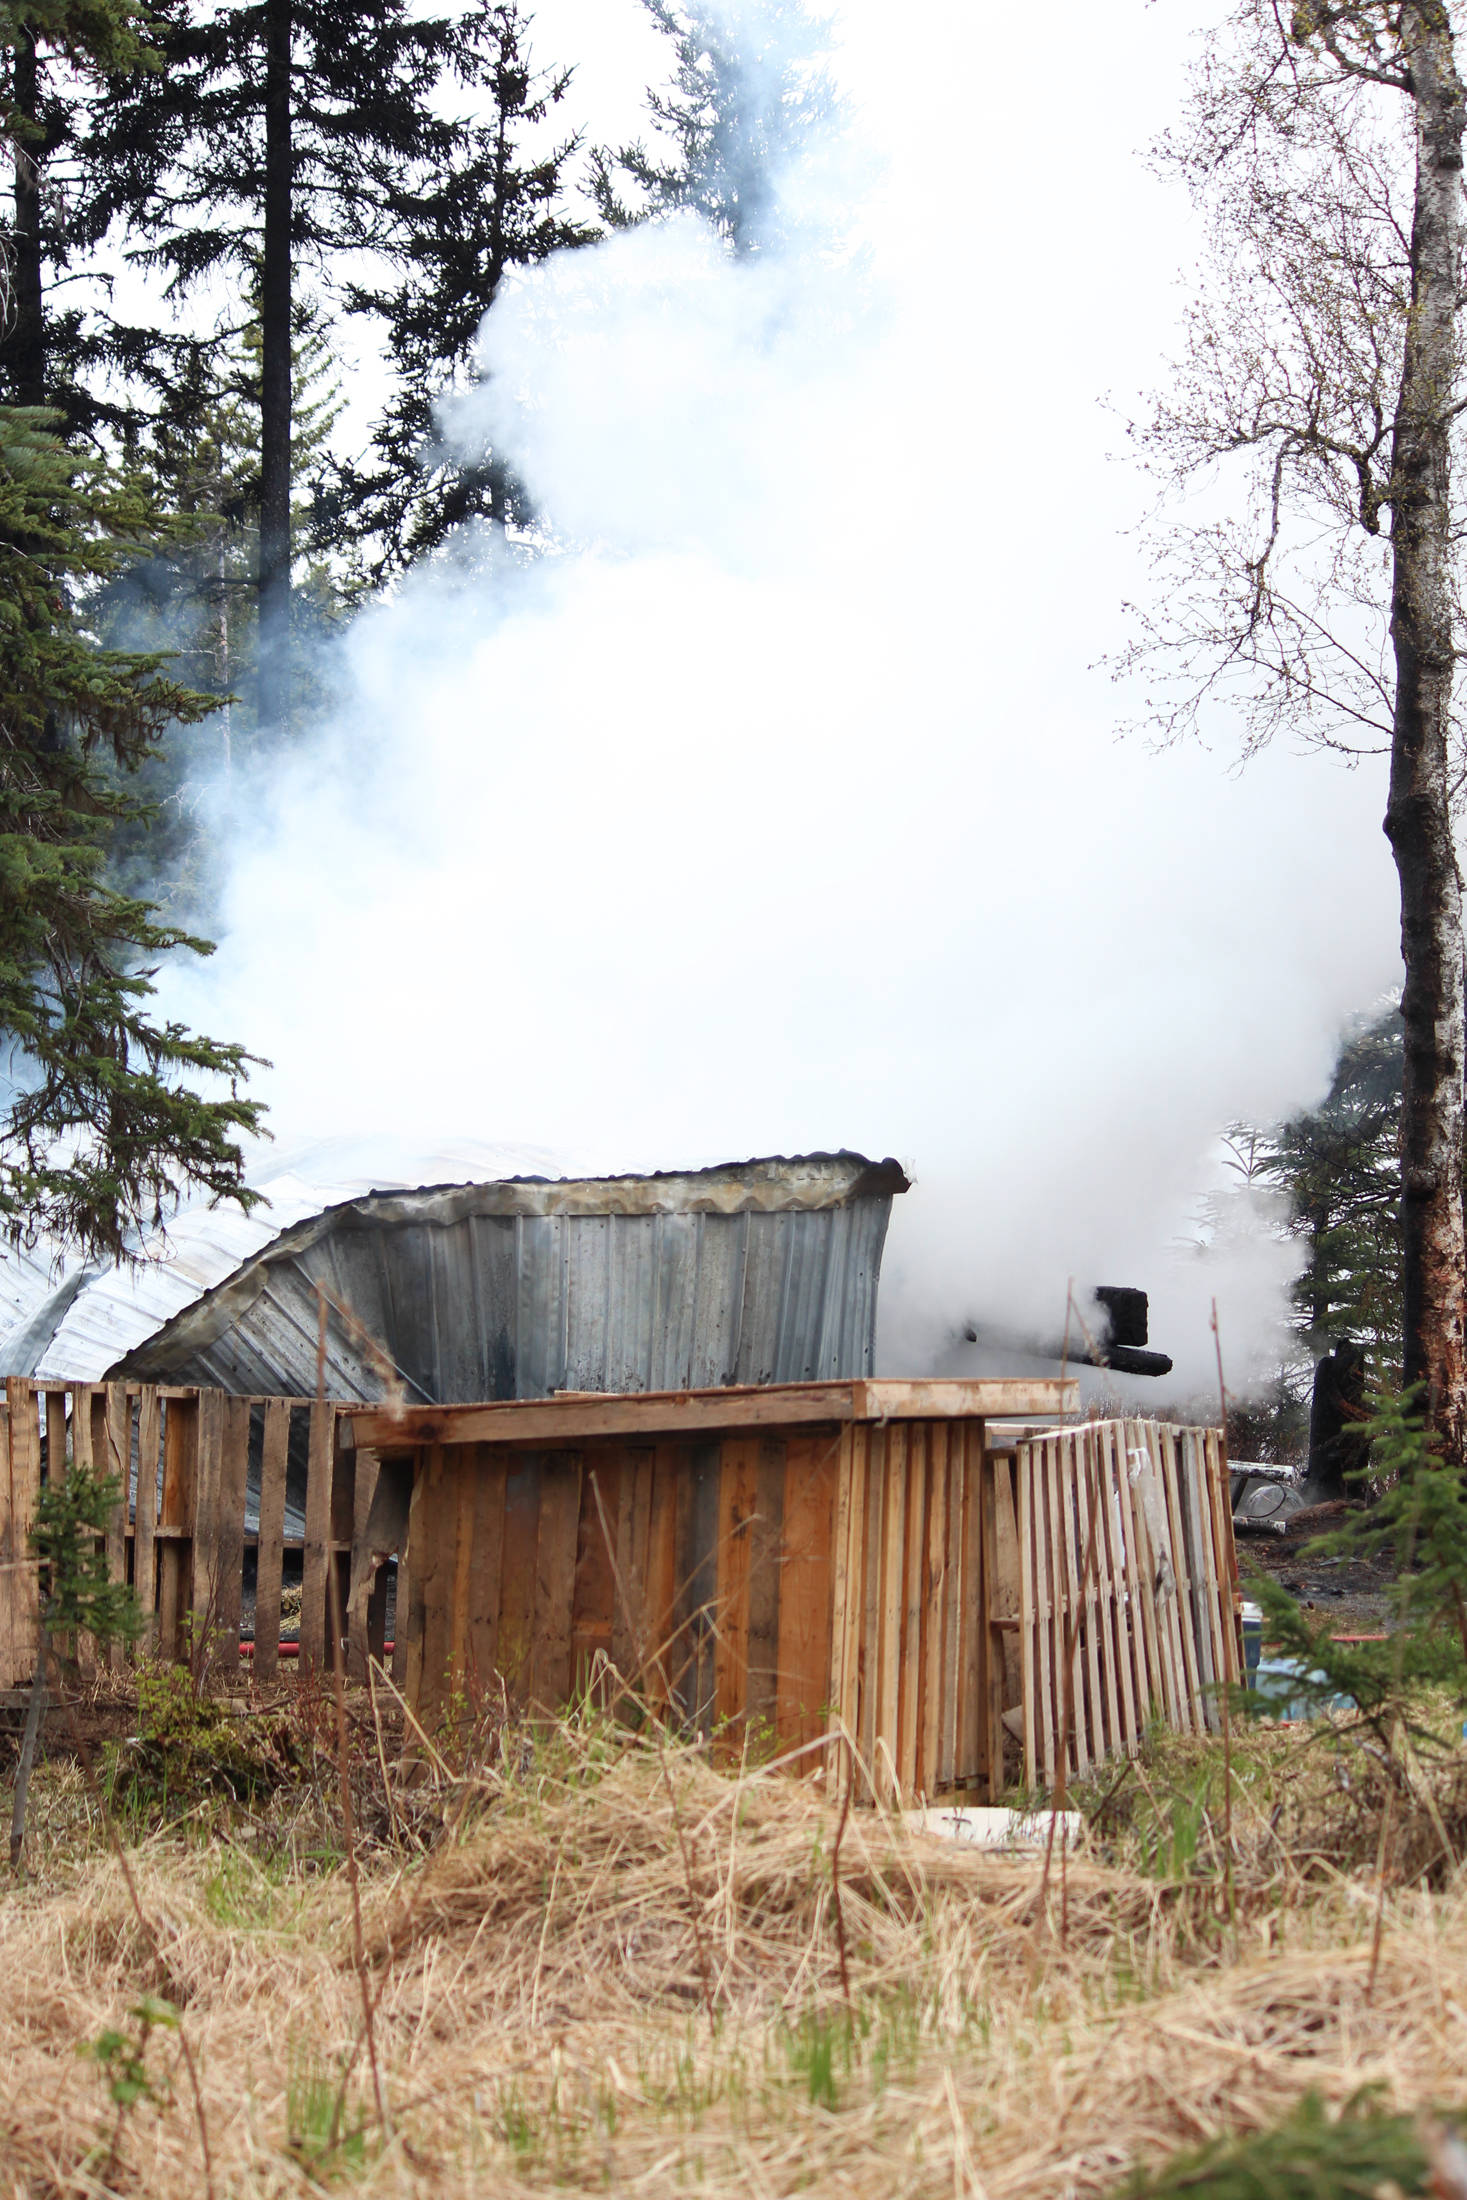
(780, 807)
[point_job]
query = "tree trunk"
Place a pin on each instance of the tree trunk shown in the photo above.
(275, 379)
(25, 341)
(1418, 817)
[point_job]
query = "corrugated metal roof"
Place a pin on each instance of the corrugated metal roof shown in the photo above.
(69, 1322)
(757, 1272)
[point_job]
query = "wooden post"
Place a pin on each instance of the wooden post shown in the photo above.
(234, 1465)
(319, 1463)
(145, 1523)
(269, 1550)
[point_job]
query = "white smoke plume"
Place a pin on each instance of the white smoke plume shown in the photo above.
(785, 812)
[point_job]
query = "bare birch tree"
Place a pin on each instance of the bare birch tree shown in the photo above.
(1313, 425)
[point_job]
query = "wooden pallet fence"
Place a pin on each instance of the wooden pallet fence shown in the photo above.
(180, 1534)
(1125, 1589)
(773, 1569)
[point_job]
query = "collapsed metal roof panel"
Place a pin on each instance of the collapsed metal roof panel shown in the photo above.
(753, 1272)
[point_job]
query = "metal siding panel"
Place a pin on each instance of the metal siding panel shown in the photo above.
(671, 1362)
(759, 1304)
(718, 1294)
(492, 1238)
(540, 1306)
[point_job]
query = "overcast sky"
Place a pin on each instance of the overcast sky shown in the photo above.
(793, 815)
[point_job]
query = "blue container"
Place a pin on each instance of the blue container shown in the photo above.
(1252, 1638)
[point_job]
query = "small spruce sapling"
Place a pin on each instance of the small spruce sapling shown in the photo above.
(78, 1596)
(1420, 1517)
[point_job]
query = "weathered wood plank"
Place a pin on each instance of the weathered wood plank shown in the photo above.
(909, 1702)
(738, 1505)
(270, 1550)
(22, 1488)
(359, 1645)
(486, 1575)
(144, 1551)
(517, 1587)
(560, 1512)
(320, 1462)
(577, 1417)
(971, 1763)
(765, 1588)
(929, 1774)
(807, 1571)
(234, 1467)
(176, 1511)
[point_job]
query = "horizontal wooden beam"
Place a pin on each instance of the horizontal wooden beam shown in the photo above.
(574, 1417)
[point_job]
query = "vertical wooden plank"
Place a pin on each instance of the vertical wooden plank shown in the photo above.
(359, 1610)
(486, 1573)
(911, 1710)
(1180, 1710)
(1225, 1555)
(319, 1466)
(853, 1462)
(1193, 1674)
(9, 1578)
(873, 1561)
(888, 1645)
(1070, 1453)
(613, 1469)
(738, 1503)
(176, 1511)
(932, 1776)
(668, 1479)
(952, 1620)
(765, 1589)
(145, 1519)
(517, 1584)
(234, 1467)
(270, 1550)
(1044, 1588)
(813, 1483)
(1028, 1619)
(117, 1424)
(411, 1610)
(22, 1490)
(460, 1516)
(599, 1624)
(1110, 1648)
(691, 1658)
(1126, 1615)
(55, 1435)
(1139, 1562)
(1181, 1459)
(995, 1656)
(204, 1574)
(434, 1518)
(971, 1731)
(555, 1575)
(83, 1448)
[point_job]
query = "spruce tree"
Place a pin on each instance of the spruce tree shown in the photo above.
(109, 1111)
(748, 98)
(293, 145)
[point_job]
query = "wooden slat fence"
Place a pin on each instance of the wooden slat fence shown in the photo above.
(180, 1535)
(1120, 1592)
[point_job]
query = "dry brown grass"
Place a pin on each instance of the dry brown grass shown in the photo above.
(542, 1985)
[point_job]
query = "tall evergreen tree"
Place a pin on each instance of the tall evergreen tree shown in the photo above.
(493, 206)
(104, 1118)
(54, 54)
(286, 145)
(1339, 1166)
(748, 98)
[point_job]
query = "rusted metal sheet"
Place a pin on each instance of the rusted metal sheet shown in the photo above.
(759, 1272)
